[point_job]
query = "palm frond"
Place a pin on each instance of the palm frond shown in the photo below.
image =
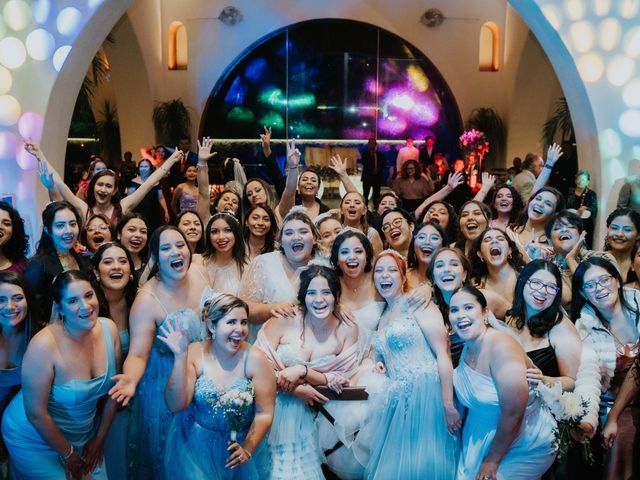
(488, 121)
(171, 120)
(561, 122)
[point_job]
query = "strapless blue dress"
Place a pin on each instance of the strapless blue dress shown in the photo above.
(72, 407)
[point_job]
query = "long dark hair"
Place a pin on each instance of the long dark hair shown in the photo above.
(62, 281)
(461, 241)
(412, 258)
(239, 252)
(115, 199)
(452, 226)
(471, 290)
(17, 246)
(131, 288)
(154, 246)
(126, 218)
(578, 300)
(479, 268)
(560, 205)
(541, 323)
(201, 242)
(307, 275)
(270, 236)
(304, 218)
(622, 212)
(438, 298)
(343, 236)
(517, 206)
(217, 198)
(32, 321)
(45, 245)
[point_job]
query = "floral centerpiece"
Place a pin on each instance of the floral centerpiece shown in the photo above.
(569, 409)
(473, 141)
(234, 403)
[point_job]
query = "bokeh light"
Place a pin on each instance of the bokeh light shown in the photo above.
(590, 67)
(12, 52)
(94, 3)
(6, 81)
(601, 7)
(553, 15)
(40, 44)
(631, 93)
(609, 33)
(582, 36)
(69, 21)
(9, 110)
(60, 56)
(24, 159)
(41, 10)
(3, 28)
(620, 70)
(632, 42)
(17, 14)
(630, 123)
(8, 144)
(629, 8)
(610, 143)
(30, 126)
(575, 9)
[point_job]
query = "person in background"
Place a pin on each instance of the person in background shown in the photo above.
(427, 152)
(126, 172)
(412, 186)
(14, 242)
(437, 170)
(185, 195)
(408, 152)
(629, 195)
(153, 206)
(178, 169)
(372, 165)
(97, 165)
(531, 169)
(585, 202)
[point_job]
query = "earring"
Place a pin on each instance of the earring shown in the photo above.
(486, 320)
(212, 332)
(131, 278)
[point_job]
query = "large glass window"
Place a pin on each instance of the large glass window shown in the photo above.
(333, 80)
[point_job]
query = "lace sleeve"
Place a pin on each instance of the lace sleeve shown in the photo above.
(252, 285)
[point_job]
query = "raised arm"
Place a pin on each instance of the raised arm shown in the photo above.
(130, 202)
(455, 179)
(288, 199)
(142, 324)
(553, 154)
(182, 381)
(204, 155)
(52, 180)
(270, 162)
(340, 167)
(508, 370)
(488, 181)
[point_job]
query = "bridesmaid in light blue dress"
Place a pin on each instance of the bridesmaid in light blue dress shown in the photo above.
(226, 390)
(490, 382)
(175, 294)
(411, 432)
(18, 323)
(49, 427)
(114, 270)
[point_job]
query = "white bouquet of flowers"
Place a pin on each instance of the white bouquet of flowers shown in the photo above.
(569, 409)
(233, 403)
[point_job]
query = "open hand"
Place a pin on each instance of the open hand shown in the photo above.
(553, 154)
(455, 179)
(338, 165)
(46, 177)
(204, 150)
(124, 389)
(174, 338)
(488, 181)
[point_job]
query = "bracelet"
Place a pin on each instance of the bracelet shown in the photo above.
(64, 458)
(292, 168)
(550, 167)
(247, 452)
(306, 371)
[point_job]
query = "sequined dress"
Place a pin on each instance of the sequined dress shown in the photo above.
(198, 437)
(407, 429)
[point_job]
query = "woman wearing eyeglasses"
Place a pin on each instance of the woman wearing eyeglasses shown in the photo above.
(550, 340)
(607, 317)
(397, 226)
(97, 231)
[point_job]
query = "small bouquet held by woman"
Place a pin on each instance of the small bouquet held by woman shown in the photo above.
(234, 403)
(569, 409)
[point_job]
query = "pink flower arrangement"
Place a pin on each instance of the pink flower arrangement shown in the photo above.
(472, 140)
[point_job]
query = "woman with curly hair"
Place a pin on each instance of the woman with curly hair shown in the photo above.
(14, 242)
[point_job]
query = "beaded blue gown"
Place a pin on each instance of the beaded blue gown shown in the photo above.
(198, 438)
(72, 407)
(147, 437)
(407, 431)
